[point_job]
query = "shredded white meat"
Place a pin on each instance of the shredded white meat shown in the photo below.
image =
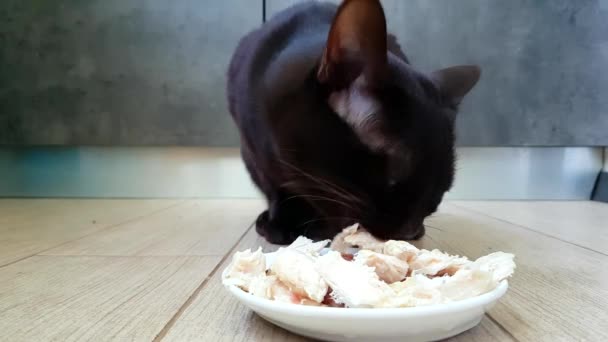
(298, 272)
(245, 267)
(390, 269)
(383, 273)
(356, 236)
(353, 284)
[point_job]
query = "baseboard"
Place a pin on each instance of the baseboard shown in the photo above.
(526, 173)
(605, 159)
(124, 172)
(566, 173)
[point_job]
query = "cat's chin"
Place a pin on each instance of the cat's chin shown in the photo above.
(404, 234)
(265, 229)
(417, 235)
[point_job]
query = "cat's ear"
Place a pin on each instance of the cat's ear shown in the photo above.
(356, 45)
(457, 81)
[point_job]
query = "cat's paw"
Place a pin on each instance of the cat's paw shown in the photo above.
(272, 233)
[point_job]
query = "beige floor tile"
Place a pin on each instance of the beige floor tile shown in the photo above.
(583, 223)
(28, 227)
(48, 298)
(196, 227)
(559, 291)
(215, 316)
(122, 269)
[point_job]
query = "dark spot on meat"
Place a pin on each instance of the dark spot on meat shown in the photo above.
(329, 300)
(348, 257)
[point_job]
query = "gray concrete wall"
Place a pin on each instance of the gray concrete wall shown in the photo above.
(119, 72)
(151, 72)
(544, 64)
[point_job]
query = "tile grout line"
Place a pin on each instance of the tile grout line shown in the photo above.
(169, 325)
(114, 226)
(501, 327)
(92, 233)
(109, 256)
(527, 228)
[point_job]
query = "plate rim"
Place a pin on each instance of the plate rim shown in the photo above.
(429, 310)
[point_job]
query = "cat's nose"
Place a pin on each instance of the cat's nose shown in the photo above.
(420, 233)
(412, 231)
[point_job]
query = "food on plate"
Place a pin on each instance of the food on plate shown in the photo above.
(246, 266)
(353, 284)
(360, 271)
(435, 262)
(416, 290)
(299, 272)
(400, 249)
(356, 236)
(390, 269)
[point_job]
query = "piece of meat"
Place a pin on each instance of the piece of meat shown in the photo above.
(500, 264)
(462, 279)
(417, 290)
(364, 240)
(270, 287)
(306, 245)
(400, 249)
(353, 284)
(435, 262)
(356, 236)
(245, 267)
(390, 269)
(297, 271)
(373, 277)
(329, 300)
(338, 244)
(348, 257)
(467, 283)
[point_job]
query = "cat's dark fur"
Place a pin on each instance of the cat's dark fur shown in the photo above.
(336, 126)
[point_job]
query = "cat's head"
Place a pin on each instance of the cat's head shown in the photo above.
(396, 111)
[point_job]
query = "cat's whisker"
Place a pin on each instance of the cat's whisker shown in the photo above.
(330, 218)
(321, 198)
(312, 177)
(315, 188)
(346, 200)
(337, 190)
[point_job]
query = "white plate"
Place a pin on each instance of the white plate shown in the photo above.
(425, 323)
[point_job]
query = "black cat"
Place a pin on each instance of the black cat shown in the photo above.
(336, 126)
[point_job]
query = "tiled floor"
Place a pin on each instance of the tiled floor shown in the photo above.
(148, 270)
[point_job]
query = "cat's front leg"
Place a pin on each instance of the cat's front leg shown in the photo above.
(287, 217)
(270, 230)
